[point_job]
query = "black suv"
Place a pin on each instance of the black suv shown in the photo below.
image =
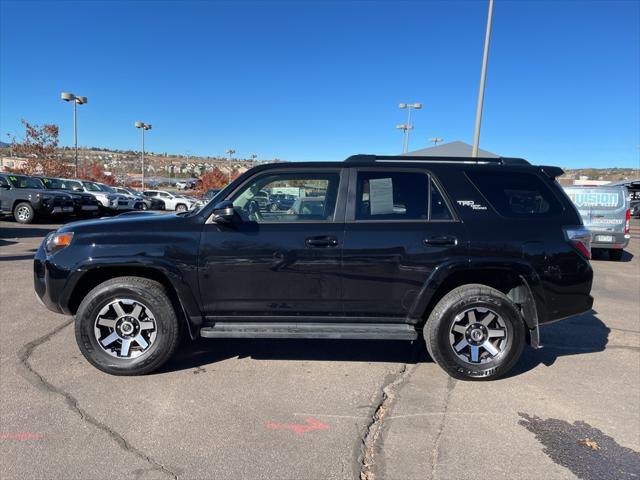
(26, 198)
(473, 254)
(84, 204)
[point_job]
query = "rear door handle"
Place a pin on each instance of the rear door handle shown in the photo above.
(321, 241)
(441, 241)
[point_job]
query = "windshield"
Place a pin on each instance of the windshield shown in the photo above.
(60, 184)
(106, 188)
(21, 181)
(92, 187)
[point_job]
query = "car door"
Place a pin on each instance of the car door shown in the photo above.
(399, 228)
(275, 263)
(4, 189)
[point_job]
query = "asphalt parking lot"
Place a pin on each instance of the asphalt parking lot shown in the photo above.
(279, 409)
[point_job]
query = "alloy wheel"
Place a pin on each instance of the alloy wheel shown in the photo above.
(23, 213)
(478, 335)
(125, 328)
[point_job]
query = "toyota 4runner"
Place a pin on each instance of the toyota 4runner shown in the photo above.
(472, 254)
(26, 198)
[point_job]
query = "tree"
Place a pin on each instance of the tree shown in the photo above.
(39, 148)
(95, 173)
(212, 179)
(235, 174)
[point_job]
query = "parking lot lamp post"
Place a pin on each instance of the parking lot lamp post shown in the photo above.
(407, 127)
(483, 76)
(142, 126)
(77, 100)
(230, 152)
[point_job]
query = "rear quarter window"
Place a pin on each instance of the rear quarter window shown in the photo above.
(516, 194)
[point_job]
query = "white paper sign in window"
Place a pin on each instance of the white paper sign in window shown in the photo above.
(381, 196)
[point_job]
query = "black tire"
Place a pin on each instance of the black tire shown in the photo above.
(23, 213)
(616, 254)
(442, 319)
(149, 293)
(181, 207)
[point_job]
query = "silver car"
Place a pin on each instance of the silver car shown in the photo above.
(605, 212)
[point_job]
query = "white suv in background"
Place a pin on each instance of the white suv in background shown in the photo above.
(171, 200)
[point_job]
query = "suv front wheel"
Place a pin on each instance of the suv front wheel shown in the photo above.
(127, 326)
(475, 333)
(24, 213)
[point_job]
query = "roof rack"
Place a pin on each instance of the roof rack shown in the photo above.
(365, 158)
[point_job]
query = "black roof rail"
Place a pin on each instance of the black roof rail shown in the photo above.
(366, 158)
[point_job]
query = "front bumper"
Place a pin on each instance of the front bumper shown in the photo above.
(89, 208)
(57, 210)
(47, 281)
(121, 206)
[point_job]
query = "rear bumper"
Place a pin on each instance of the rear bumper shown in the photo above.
(618, 240)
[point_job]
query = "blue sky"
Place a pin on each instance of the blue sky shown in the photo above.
(322, 80)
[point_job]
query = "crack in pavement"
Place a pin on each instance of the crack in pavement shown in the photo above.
(451, 383)
(366, 460)
(37, 379)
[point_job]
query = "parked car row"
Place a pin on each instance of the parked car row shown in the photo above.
(29, 197)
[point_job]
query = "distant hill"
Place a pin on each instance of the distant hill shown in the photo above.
(4, 145)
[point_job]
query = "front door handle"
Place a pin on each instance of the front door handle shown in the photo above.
(441, 241)
(321, 241)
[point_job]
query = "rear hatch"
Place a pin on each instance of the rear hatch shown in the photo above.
(601, 208)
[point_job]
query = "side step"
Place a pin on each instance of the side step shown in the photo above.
(363, 331)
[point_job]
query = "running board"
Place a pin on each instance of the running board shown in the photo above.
(363, 331)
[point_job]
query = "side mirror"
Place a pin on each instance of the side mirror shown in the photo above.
(5, 187)
(223, 212)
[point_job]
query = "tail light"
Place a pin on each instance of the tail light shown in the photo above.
(627, 222)
(580, 238)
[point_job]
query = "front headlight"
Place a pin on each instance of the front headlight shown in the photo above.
(57, 241)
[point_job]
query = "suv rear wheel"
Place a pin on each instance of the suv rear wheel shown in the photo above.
(127, 326)
(475, 333)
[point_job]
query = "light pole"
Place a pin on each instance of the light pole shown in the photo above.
(142, 126)
(436, 140)
(483, 76)
(77, 100)
(230, 152)
(407, 127)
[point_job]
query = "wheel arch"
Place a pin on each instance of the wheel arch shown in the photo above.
(21, 200)
(516, 280)
(93, 277)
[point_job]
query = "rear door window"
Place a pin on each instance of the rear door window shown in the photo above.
(516, 194)
(396, 195)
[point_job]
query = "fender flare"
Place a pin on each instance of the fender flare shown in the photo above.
(531, 297)
(184, 293)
